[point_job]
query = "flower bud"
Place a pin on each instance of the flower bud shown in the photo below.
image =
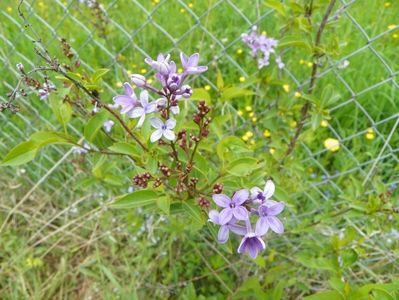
(173, 82)
(20, 67)
(138, 80)
(187, 92)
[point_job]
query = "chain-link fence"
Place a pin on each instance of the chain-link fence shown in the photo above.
(102, 38)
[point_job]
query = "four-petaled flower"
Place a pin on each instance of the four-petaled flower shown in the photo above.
(190, 64)
(146, 108)
(232, 207)
(267, 217)
(252, 241)
(224, 230)
(162, 129)
(161, 64)
(259, 196)
(127, 101)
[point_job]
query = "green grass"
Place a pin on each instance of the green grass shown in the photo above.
(50, 250)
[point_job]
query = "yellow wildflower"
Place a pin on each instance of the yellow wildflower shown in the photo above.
(207, 87)
(370, 135)
(286, 87)
(332, 144)
(387, 4)
(119, 84)
(272, 151)
(267, 133)
(239, 51)
(249, 134)
(240, 113)
(143, 71)
(242, 79)
(297, 94)
(248, 108)
(254, 119)
(324, 123)
(190, 5)
(293, 124)
(392, 26)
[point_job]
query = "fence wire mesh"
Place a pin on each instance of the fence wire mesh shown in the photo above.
(103, 40)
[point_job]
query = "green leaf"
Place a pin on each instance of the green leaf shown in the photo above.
(201, 94)
(234, 92)
(278, 290)
(326, 295)
(62, 110)
(163, 204)
(230, 144)
(276, 5)
(44, 138)
(242, 166)
(194, 212)
(135, 199)
(126, 148)
(98, 74)
(20, 154)
(349, 257)
(26, 151)
(94, 125)
(292, 41)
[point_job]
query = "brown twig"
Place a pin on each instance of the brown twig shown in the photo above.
(316, 56)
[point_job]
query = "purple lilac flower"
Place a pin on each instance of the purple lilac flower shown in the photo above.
(146, 108)
(162, 129)
(171, 91)
(224, 230)
(234, 217)
(260, 196)
(262, 47)
(267, 216)
(190, 64)
(128, 101)
(81, 150)
(108, 125)
(232, 207)
(252, 241)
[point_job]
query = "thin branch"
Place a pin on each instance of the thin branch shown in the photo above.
(305, 108)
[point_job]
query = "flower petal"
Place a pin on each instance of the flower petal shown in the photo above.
(223, 234)
(137, 112)
(221, 200)
(252, 247)
(156, 135)
(151, 107)
(240, 213)
(184, 59)
(275, 224)
(193, 60)
(240, 197)
(262, 226)
(169, 134)
(175, 110)
(123, 100)
(255, 192)
(275, 209)
(156, 123)
(144, 98)
(269, 189)
(214, 216)
(141, 121)
(238, 229)
(243, 245)
(128, 89)
(171, 123)
(225, 215)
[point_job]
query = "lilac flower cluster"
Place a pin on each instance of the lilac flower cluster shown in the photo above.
(172, 91)
(244, 207)
(262, 47)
